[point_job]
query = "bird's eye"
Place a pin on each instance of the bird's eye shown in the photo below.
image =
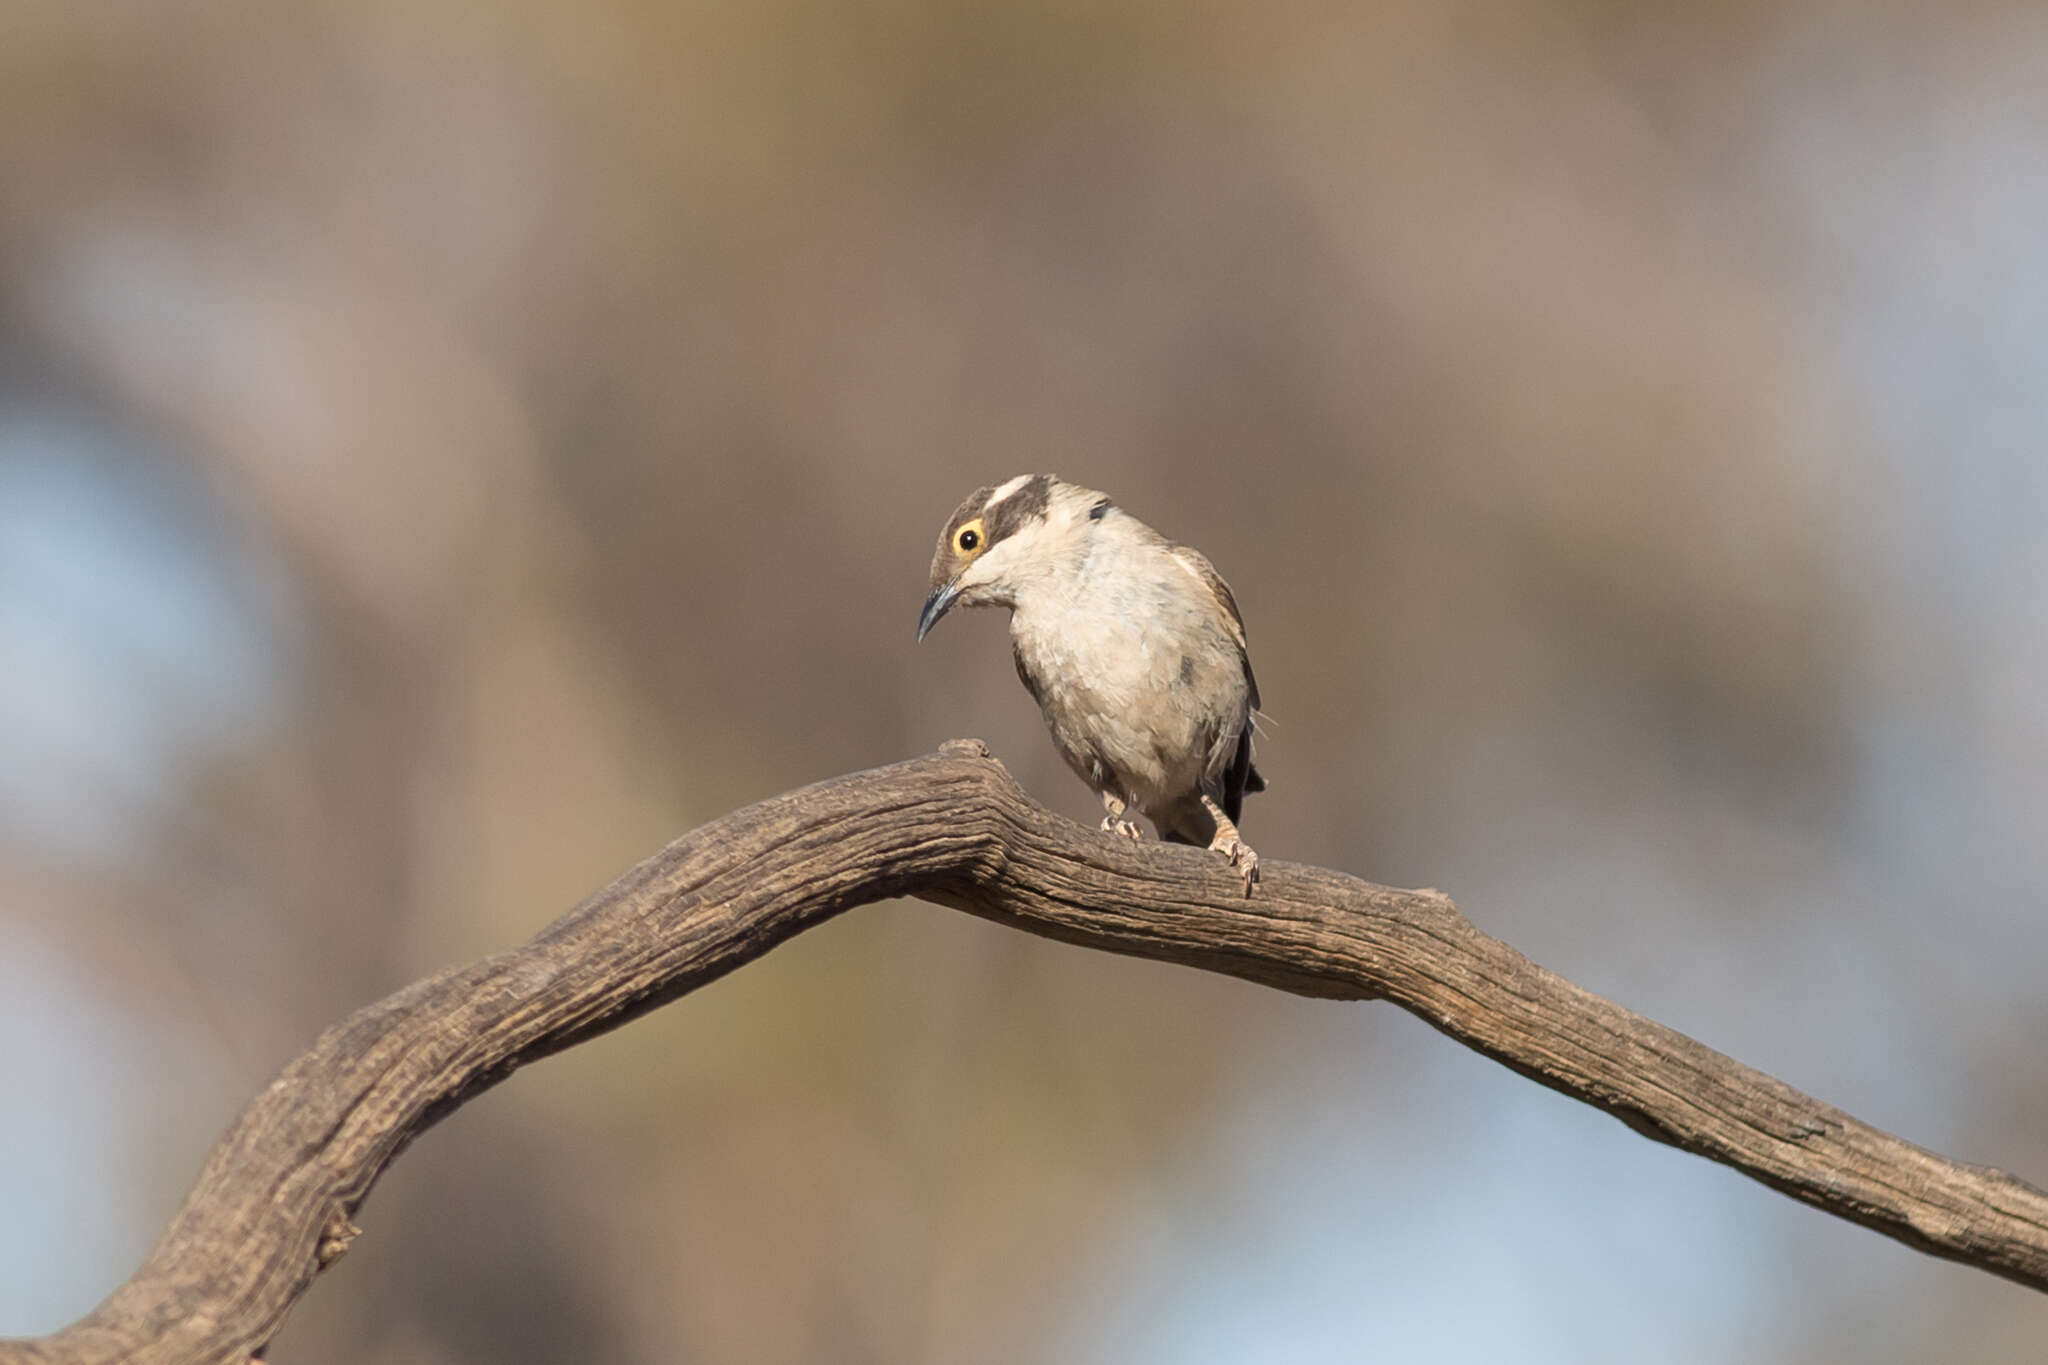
(969, 539)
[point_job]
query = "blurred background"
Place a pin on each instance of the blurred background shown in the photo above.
(447, 449)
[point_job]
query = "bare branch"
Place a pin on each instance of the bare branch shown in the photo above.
(273, 1203)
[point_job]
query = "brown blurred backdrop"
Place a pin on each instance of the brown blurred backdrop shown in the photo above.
(446, 449)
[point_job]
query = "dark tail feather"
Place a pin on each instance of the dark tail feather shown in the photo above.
(1242, 776)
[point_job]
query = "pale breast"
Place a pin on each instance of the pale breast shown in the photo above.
(1141, 684)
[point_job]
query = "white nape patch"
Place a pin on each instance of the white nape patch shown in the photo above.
(1005, 491)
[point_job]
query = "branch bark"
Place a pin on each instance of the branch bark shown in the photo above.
(273, 1203)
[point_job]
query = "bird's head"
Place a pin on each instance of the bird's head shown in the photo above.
(1002, 538)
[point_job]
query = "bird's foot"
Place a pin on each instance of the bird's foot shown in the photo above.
(1232, 846)
(1116, 822)
(1241, 857)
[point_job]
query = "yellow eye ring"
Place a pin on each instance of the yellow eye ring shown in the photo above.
(968, 538)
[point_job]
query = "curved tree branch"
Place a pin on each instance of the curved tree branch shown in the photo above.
(273, 1202)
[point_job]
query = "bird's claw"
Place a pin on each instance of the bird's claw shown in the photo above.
(1112, 824)
(1240, 855)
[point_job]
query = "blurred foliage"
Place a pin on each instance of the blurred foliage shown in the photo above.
(448, 449)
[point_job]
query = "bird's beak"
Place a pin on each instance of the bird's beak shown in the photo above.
(935, 607)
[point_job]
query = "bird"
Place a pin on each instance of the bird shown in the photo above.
(1132, 646)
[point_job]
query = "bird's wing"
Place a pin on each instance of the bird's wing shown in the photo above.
(1197, 563)
(1240, 777)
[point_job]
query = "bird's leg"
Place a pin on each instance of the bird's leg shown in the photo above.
(1114, 822)
(1231, 845)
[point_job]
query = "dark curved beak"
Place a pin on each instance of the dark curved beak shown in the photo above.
(935, 607)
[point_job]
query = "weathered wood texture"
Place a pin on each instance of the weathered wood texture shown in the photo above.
(273, 1202)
